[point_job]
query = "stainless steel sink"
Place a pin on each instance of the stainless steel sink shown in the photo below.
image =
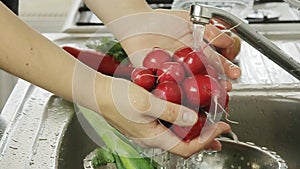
(268, 116)
(44, 131)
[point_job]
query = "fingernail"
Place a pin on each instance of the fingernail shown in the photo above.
(189, 117)
(235, 71)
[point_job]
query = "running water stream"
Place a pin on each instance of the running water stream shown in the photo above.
(198, 36)
(196, 161)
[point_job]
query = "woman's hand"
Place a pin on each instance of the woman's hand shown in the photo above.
(135, 112)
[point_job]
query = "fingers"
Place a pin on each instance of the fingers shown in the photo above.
(216, 37)
(205, 141)
(226, 84)
(232, 51)
(221, 64)
(138, 105)
(214, 145)
(172, 113)
(229, 48)
(165, 139)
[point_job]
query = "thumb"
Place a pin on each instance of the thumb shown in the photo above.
(171, 112)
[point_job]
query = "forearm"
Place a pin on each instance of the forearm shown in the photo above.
(28, 55)
(32, 57)
(109, 10)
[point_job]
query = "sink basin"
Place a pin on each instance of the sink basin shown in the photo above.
(44, 131)
(268, 117)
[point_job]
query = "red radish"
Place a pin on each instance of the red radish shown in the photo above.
(187, 133)
(110, 66)
(181, 53)
(194, 63)
(219, 104)
(199, 89)
(219, 26)
(155, 58)
(211, 71)
(171, 71)
(169, 91)
(212, 21)
(105, 64)
(72, 50)
(143, 77)
(89, 57)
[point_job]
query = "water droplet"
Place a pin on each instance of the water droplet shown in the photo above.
(264, 148)
(13, 147)
(31, 162)
(42, 139)
(199, 157)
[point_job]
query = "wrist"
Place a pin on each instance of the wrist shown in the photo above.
(107, 10)
(103, 93)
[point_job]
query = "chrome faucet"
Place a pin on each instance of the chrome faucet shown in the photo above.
(201, 14)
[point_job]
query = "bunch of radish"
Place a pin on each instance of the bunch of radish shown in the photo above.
(185, 78)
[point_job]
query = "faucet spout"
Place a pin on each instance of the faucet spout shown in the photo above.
(201, 14)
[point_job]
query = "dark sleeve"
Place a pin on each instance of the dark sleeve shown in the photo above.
(12, 5)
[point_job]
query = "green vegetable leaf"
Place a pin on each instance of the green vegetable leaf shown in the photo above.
(109, 46)
(102, 157)
(125, 155)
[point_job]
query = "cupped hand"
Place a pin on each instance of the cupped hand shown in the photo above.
(135, 113)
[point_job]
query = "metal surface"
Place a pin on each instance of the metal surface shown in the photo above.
(255, 39)
(36, 123)
(234, 154)
(258, 69)
(294, 3)
(197, 15)
(268, 116)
